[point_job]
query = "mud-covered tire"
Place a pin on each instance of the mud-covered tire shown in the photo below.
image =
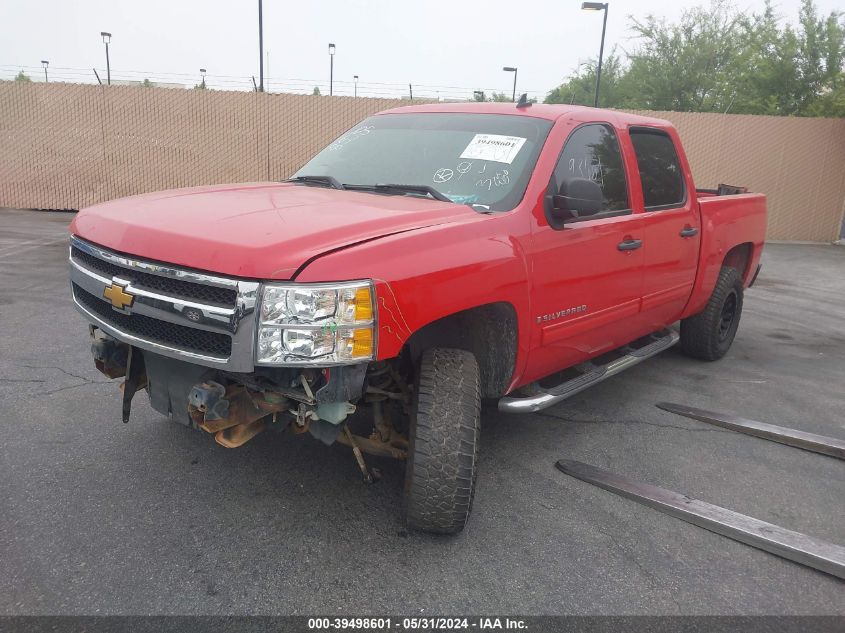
(444, 432)
(709, 334)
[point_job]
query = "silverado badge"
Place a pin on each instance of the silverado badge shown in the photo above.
(554, 316)
(118, 296)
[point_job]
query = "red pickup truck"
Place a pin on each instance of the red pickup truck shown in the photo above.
(430, 257)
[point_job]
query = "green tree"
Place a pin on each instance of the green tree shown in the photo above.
(832, 102)
(717, 59)
(316, 91)
(21, 76)
(689, 65)
(147, 83)
(498, 97)
(792, 70)
(768, 76)
(580, 89)
(821, 44)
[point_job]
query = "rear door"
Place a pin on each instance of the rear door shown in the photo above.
(586, 273)
(672, 230)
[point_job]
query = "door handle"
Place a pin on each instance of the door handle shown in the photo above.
(689, 231)
(629, 245)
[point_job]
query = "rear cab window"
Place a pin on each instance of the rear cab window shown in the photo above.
(660, 169)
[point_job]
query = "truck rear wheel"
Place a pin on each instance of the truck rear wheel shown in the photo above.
(709, 334)
(444, 432)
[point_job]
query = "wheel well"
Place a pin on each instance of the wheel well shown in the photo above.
(488, 331)
(739, 257)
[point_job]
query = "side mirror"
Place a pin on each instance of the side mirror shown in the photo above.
(578, 198)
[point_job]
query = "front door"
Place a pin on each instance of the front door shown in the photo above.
(587, 274)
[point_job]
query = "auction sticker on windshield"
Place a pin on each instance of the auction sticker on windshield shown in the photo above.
(495, 147)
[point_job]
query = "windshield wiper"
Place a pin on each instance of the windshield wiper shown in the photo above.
(425, 190)
(326, 181)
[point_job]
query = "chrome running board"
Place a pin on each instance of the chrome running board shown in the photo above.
(592, 374)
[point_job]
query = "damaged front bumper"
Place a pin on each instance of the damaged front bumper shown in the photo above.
(195, 343)
(235, 407)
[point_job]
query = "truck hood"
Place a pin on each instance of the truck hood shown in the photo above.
(258, 230)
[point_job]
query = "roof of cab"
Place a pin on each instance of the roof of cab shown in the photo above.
(537, 110)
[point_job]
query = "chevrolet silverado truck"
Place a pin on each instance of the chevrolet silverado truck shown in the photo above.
(431, 257)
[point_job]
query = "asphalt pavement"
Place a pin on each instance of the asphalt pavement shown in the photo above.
(98, 517)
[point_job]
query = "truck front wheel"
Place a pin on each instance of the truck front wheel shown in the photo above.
(444, 431)
(708, 335)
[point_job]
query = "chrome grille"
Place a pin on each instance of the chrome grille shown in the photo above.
(166, 285)
(180, 336)
(180, 313)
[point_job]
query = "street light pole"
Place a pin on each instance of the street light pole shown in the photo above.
(331, 69)
(355, 79)
(598, 6)
(511, 69)
(45, 63)
(260, 48)
(106, 39)
(202, 70)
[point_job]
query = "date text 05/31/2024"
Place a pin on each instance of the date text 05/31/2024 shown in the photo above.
(416, 624)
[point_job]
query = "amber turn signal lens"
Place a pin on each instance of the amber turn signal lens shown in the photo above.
(363, 305)
(362, 343)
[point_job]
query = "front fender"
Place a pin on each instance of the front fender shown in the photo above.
(430, 273)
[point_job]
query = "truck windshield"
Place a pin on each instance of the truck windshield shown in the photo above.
(484, 160)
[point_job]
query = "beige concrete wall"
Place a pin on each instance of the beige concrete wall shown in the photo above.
(67, 146)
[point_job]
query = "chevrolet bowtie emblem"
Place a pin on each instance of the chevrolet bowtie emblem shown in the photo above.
(118, 296)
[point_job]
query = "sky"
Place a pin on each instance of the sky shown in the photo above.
(445, 49)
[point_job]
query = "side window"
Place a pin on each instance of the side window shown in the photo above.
(660, 170)
(592, 152)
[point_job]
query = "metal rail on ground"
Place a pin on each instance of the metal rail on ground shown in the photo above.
(794, 546)
(791, 437)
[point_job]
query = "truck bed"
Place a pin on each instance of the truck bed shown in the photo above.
(724, 218)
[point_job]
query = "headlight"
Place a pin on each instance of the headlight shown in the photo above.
(316, 324)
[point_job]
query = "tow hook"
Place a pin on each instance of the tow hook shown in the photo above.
(208, 398)
(233, 414)
(110, 357)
